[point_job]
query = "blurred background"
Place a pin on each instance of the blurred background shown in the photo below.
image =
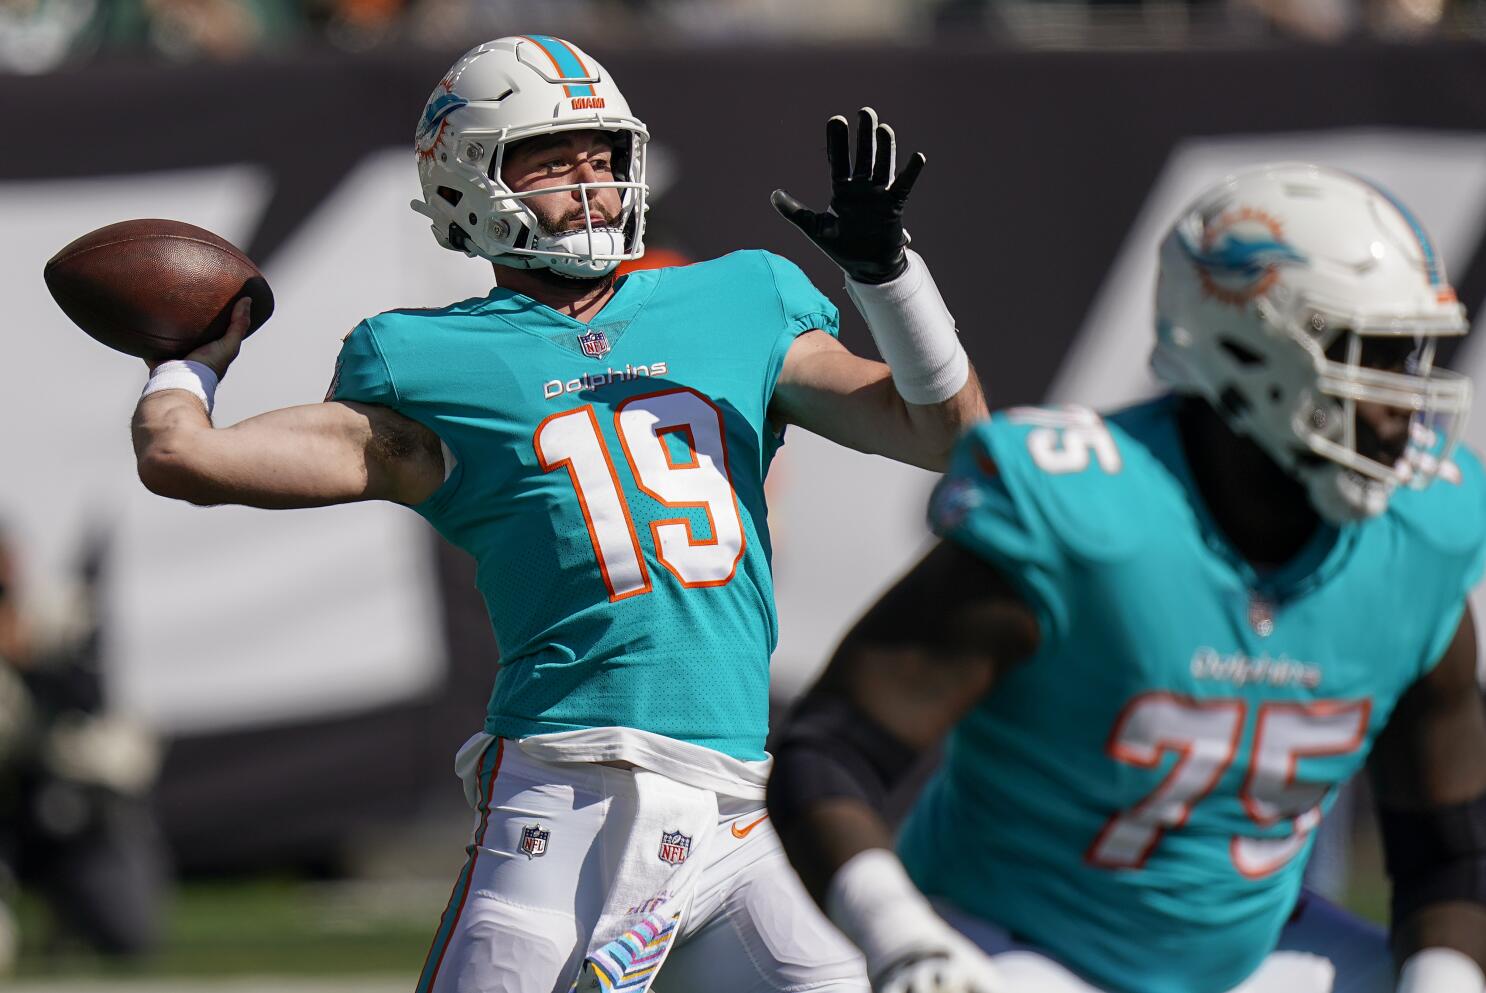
(226, 736)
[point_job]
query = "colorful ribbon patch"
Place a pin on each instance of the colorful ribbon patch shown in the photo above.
(628, 963)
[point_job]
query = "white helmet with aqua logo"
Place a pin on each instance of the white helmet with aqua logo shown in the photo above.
(505, 91)
(1277, 288)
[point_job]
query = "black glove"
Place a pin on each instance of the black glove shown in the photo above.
(862, 231)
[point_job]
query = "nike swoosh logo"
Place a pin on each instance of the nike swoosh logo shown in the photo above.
(742, 832)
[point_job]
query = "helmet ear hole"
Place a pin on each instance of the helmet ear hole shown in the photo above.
(1241, 354)
(623, 149)
(450, 195)
(1234, 403)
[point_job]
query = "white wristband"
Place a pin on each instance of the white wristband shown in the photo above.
(196, 378)
(1440, 970)
(915, 333)
(875, 904)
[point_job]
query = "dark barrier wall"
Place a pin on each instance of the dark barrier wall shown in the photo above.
(1038, 164)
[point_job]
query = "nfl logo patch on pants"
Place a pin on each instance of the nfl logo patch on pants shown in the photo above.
(534, 841)
(674, 847)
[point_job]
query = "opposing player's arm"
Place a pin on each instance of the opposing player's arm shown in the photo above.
(307, 456)
(1429, 772)
(853, 401)
(895, 687)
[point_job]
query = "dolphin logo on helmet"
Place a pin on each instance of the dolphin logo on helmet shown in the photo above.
(1239, 255)
(431, 126)
(505, 91)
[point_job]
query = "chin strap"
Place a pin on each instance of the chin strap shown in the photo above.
(1342, 496)
(579, 245)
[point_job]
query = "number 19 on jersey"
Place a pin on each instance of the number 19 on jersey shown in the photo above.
(572, 440)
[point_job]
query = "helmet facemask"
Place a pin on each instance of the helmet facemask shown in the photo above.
(1383, 365)
(1298, 400)
(512, 234)
(590, 251)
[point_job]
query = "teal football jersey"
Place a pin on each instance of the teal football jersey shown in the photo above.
(609, 482)
(1140, 797)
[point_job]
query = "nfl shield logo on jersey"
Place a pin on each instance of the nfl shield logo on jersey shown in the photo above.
(594, 344)
(674, 847)
(534, 841)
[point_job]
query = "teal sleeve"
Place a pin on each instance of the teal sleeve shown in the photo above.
(805, 307)
(363, 375)
(983, 506)
(361, 371)
(1464, 515)
(802, 308)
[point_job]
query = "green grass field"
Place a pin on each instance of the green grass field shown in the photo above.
(293, 928)
(262, 927)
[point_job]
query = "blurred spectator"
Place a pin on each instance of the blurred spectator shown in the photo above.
(75, 821)
(1195, 23)
(210, 29)
(38, 35)
(459, 23)
(357, 24)
(790, 20)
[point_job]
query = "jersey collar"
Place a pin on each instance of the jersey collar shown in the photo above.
(1320, 558)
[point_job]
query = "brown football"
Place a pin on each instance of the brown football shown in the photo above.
(154, 288)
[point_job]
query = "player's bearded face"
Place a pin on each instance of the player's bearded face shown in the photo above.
(562, 160)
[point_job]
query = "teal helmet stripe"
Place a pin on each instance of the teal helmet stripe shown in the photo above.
(569, 66)
(1431, 260)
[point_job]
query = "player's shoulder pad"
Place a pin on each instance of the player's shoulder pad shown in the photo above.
(1084, 483)
(403, 335)
(745, 264)
(361, 370)
(755, 278)
(400, 318)
(1449, 515)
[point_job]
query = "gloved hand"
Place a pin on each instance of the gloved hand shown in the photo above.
(862, 230)
(959, 967)
(907, 946)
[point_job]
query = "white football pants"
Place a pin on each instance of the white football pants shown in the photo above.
(525, 905)
(1322, 950)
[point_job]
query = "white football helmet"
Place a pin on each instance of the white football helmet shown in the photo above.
(1269, 286)
(502, 92)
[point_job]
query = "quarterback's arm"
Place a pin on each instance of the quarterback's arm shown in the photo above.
(911, 668)
(308, 456)
(853, 401)
(1429, 772)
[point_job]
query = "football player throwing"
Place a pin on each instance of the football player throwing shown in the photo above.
(599, 445)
